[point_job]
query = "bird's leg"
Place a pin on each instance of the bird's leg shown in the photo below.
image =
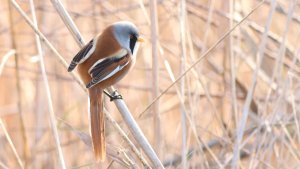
(115, 95)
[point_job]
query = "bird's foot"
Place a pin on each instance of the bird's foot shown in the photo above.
(114, 96)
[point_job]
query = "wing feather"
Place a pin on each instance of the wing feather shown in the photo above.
(83, 54)
(106, 69)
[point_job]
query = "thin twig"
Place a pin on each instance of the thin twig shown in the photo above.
(201, 58)
(11, 144)
(142, 5)
(232, 65)
(281, 52)
(45, 40)
(193, 126)
(253, 25)
(137, 133)
(155, 75)
(245, 111)
(208, 25)
(26, 151)
(3, 165)
(182, 22)
(125, 137)
(67, 19)
(53, 121)
(5, 59)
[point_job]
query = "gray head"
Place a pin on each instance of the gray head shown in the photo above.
(127, 34)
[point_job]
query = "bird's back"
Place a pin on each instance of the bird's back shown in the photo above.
(106, 45)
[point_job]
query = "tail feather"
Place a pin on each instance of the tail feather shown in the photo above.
(97, 123)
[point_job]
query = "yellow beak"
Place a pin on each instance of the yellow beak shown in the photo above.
(140, 39)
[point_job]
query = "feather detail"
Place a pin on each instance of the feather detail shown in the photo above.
(107, 67)
(97, 127)
(83, 54)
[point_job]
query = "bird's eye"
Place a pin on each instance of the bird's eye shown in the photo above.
(133, 36)
(132, 42)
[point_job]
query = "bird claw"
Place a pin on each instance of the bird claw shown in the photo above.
(114, 96)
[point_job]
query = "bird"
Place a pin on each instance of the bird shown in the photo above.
(102, 62)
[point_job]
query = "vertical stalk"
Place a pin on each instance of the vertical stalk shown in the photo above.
(232, 64)
(5, 59)
(139, 136)
(11, 144)
(182, 81)
(18, 89)
(246, 108)
(155, 75)
(53, 121)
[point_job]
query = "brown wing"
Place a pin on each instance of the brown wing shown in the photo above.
(83, 54)
(106, 69)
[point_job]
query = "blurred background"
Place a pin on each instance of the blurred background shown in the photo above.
(236, 108)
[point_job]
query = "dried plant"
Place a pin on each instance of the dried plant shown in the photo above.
(216, 85)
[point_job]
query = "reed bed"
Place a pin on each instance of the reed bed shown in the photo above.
(215, 85)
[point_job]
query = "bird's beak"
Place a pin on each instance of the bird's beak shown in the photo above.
(140, 39)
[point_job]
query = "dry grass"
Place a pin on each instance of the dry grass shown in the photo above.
(236, 108)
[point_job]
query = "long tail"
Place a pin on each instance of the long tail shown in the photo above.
(97, 123)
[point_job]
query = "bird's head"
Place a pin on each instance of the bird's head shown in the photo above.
(127, 35)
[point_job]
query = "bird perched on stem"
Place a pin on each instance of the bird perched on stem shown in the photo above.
(102, 62)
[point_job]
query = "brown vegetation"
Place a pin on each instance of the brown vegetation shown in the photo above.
(236, 108)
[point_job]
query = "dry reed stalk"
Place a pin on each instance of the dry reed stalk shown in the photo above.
(26, 147)
(199, 84)
(95, 22)
(129, 142)
(155, 75)
(290, 79)
(3, 165)
(137, 133)
(207, 29)
(142, 5)
(120, 104)
(182, 22)
(246, 108)
(52, 119)
(46, 41)
(109, 6)
(192, 9)
(11, 144)
(191, 5)
(261, 74)
(208, 25)
(256, 130)
(248, 60)
(195, 100)
(261, 139)
(291, 143)
(279, 65)
(281, 52)
(193, 95)
(288, 140)
(199, 141)
(225, 35)
(232, 64)
(71, 25)
(85, 137)
(5, 59)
